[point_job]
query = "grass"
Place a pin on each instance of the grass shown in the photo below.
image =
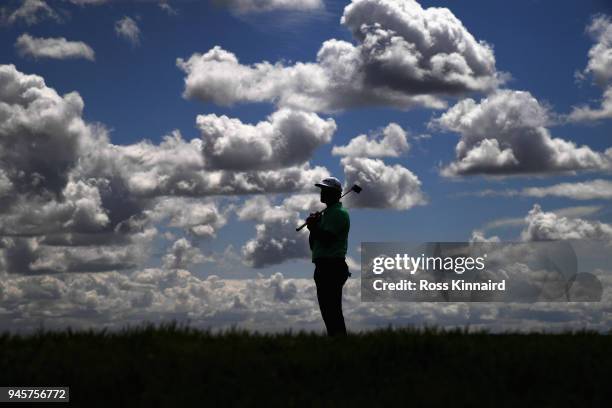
(174, 365)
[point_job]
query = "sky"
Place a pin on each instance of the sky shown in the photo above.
(156, 156)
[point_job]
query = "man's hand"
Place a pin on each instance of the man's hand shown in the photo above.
(312, 223)
(313, 220)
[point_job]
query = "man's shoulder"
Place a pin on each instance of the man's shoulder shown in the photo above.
(340, 210)
(343, 214)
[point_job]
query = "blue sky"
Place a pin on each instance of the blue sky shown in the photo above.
(136, 91)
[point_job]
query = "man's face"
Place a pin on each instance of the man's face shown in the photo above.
(327, 195)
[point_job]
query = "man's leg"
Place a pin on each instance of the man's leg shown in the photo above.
(329, 281)
(337, 326)
(323, 295)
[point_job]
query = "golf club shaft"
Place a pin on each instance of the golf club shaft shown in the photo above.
(304, 224)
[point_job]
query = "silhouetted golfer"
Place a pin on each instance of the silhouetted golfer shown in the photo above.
(328, 241)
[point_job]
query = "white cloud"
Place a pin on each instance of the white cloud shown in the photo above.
(600, 57)
(127, 28)
(176, 167)
(31, 111)
(303, 202)
(421, 50)
(57, 48)
(165, 5)
(588, 190)
(586, 113)
(56, 219)
(71, 201)
(30, 11)
(88, 2)
(286, 138)
(393, 187)
(567, 212)
(39, 256)
(506, 134)
(585, 190)
(391, 142)
(543, 225)
(258, 6)
(267, 304)
(405, 56)
(5, 184)
(600, 67)
(182, 254)
(276, 239)
(201, 219)
(80, 210)
(578, 211)
(479, 236)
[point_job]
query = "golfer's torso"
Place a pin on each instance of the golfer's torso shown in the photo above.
(336, 220)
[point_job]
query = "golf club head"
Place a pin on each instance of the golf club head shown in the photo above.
(356, 188)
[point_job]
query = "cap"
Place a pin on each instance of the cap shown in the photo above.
(330, 182)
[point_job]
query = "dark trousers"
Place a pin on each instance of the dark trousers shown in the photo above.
(330, 274)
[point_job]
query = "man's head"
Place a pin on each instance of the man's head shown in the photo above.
(331, 190)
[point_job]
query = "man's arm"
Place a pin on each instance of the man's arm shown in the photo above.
(313, 223)
(321, 234)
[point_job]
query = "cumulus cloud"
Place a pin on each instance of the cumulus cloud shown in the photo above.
(405, 56)
(127, 29)
(286, 138)
(479, 236)
(561, 224)
(543, 225)
(182, 254)
(270, 304)
(303, 202)
(384, 186)
(176, 167)
(5, 184)
(36, 124)
(506, 134)
(419, 50)
(30, 12)
(71, 201)
(276, 240)
(586, 113)
(391, 142)
(79, 211)
(37, 256)
(600, 60)
(600, 67)
(57, 48)
(567, 212)
(113, 300)
(258, 6)
(201, 219)
(53, 218)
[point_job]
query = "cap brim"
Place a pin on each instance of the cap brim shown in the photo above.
(326, 186)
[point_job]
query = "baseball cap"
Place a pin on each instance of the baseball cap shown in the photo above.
(330, 182)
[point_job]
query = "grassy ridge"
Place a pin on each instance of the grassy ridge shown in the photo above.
(171, 364)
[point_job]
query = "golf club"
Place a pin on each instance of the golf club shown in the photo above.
(355, 188)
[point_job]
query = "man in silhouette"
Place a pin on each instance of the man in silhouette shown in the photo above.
(328, 241)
